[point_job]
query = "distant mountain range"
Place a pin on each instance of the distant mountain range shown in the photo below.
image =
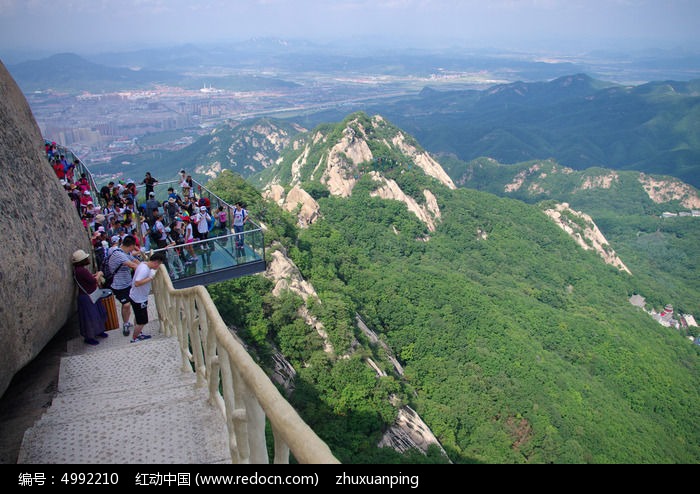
(70, 73)
(576, 120)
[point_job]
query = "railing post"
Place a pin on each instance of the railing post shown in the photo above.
(281, 448)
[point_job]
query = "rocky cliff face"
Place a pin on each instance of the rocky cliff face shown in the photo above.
(244, 148)
(40, 230)
(408, 430)
(585, 232)
(539, 179)
(389, 189)
(307, 209)
(286, 276)
(339, 168)
(667, 190)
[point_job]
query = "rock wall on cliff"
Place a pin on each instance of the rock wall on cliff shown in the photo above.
(40, 230)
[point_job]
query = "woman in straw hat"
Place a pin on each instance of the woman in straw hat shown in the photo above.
(91, 315)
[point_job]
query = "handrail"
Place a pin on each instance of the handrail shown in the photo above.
(237, 385)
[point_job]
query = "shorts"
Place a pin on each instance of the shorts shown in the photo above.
(122, 294)
(140, 312)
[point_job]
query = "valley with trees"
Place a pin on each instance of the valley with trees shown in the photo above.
(516, 345)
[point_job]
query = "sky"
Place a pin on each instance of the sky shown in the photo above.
(91, 26)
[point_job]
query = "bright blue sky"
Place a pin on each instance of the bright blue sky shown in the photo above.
(87, 26)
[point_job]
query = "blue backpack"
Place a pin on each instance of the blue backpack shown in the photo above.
(154, 233)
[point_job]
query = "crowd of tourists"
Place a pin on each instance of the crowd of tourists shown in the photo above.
(124, 228)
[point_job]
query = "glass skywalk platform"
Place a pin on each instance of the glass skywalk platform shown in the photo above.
(215, 259)
(223, 256)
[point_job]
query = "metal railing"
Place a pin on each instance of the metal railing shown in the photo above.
(245, 395)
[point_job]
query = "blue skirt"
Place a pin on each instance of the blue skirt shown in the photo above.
(92, 317)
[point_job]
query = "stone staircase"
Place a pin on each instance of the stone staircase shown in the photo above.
(127, 403)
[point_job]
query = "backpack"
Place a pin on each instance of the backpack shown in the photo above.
(100, 254)
(154, 233)
(107, 272)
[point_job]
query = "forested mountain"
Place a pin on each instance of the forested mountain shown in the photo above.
(662, 252)
(577, 120)
(512, 342)
(245, 148)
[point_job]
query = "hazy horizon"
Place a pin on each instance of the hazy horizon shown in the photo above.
(91, 26)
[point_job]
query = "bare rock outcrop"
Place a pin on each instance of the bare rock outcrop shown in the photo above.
(424, 161)
(274, 193)
(585, 232)
(536, 174)
(600, 181)
(298, 201)
(374, 339)
(339, 174)
(391, 190)
(409, 431)
(286, 276)
(668, 190)
(41, 229)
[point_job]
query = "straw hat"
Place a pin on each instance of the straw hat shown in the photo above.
(79, 255)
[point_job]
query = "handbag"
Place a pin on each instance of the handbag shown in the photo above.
(98, 294)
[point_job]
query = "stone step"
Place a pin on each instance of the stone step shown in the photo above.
(127, 403)
(184, 432)
(145, 376)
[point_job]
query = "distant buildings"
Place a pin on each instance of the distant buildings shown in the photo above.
(666, 316)
(693, 212)
(688, 321)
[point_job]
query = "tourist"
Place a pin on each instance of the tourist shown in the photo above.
(91, 316)
(138, 295)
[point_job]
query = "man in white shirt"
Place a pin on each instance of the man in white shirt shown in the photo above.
(202, 220)
(138, 295)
